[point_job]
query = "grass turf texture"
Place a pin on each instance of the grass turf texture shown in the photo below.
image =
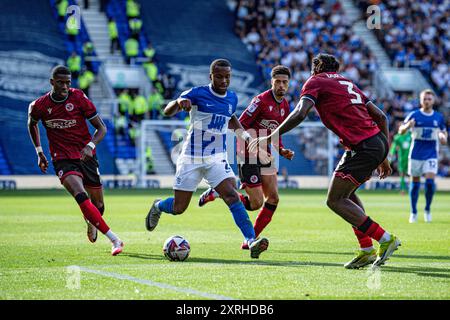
(43, 232)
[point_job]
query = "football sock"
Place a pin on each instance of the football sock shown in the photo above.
(112, 236)
(373, 230)
(242, 220)
(246, 201)
(364, 240)
(264, 217)
(430, 187)
(402, 183)
(91, 213)
(215, 194)
(414, 189)
(166, 205)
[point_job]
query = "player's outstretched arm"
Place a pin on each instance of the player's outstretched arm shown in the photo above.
(293, 120)
(175, 106)
(33, 130)
(235, 124)
(98, 136)
(406, 126)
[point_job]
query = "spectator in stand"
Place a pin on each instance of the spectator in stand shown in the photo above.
(113, 35)
(85, 80)
(131, 49)
(135, 25)
(89, 54)
(61, 7)
(72, 28)
(133, 9)
(74, 65)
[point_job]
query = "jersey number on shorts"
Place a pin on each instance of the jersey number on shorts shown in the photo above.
(349, 85)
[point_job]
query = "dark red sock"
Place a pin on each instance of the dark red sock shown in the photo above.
(371, 229)
(264, 217)
(245, 201)
(363, 239)
(92, 215)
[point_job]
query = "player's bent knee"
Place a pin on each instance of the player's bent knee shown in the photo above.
(179, 209)
(256, 203)
(273, 199)
(231, 198)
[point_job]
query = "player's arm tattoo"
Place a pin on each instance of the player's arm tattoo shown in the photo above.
(379, 117)
(295, 117)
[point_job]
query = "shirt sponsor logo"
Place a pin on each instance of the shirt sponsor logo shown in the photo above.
(69, 107)
(269, 124)
(60, 123)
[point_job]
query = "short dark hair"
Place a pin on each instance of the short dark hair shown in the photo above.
(324, 63)
(219, 63)
(280, 69)
(60, 70)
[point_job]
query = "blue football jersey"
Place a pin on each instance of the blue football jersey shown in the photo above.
(425, 141)
(209, 119)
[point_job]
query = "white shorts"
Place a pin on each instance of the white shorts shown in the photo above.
(416, 168)
(189, 175)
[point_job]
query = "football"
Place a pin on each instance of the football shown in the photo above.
(176, 248)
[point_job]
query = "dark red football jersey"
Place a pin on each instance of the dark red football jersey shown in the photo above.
(65, 123)
(341, 106)
(264, 115)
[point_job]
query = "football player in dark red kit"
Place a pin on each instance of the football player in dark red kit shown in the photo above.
(257, 172)
(63, 112)
(363, 130)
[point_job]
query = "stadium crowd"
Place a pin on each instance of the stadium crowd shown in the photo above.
(415, 34)
(291, 32)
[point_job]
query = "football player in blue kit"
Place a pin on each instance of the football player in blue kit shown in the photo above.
(428, 130)
(211, 109)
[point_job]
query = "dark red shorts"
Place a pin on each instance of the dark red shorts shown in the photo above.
(88, 170)
(358, 164)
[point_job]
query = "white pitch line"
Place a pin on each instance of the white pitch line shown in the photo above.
(155, 284)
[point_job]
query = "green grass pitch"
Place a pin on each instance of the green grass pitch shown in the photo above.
(43, 233)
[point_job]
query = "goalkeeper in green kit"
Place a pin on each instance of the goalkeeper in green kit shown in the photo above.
(401, 144)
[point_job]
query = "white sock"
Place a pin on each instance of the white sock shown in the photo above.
(368, 249)
(112, 236)
(386, 237)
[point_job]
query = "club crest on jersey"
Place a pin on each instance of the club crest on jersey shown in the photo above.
(60, 173)
(253, 179)
(270, 108)
(282, 112)
(49, 110)
(230, 108)
(435, 123)
(69, 107)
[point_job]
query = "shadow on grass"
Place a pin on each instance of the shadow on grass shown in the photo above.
(403, 256)
(420, 271)
(231, 261)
